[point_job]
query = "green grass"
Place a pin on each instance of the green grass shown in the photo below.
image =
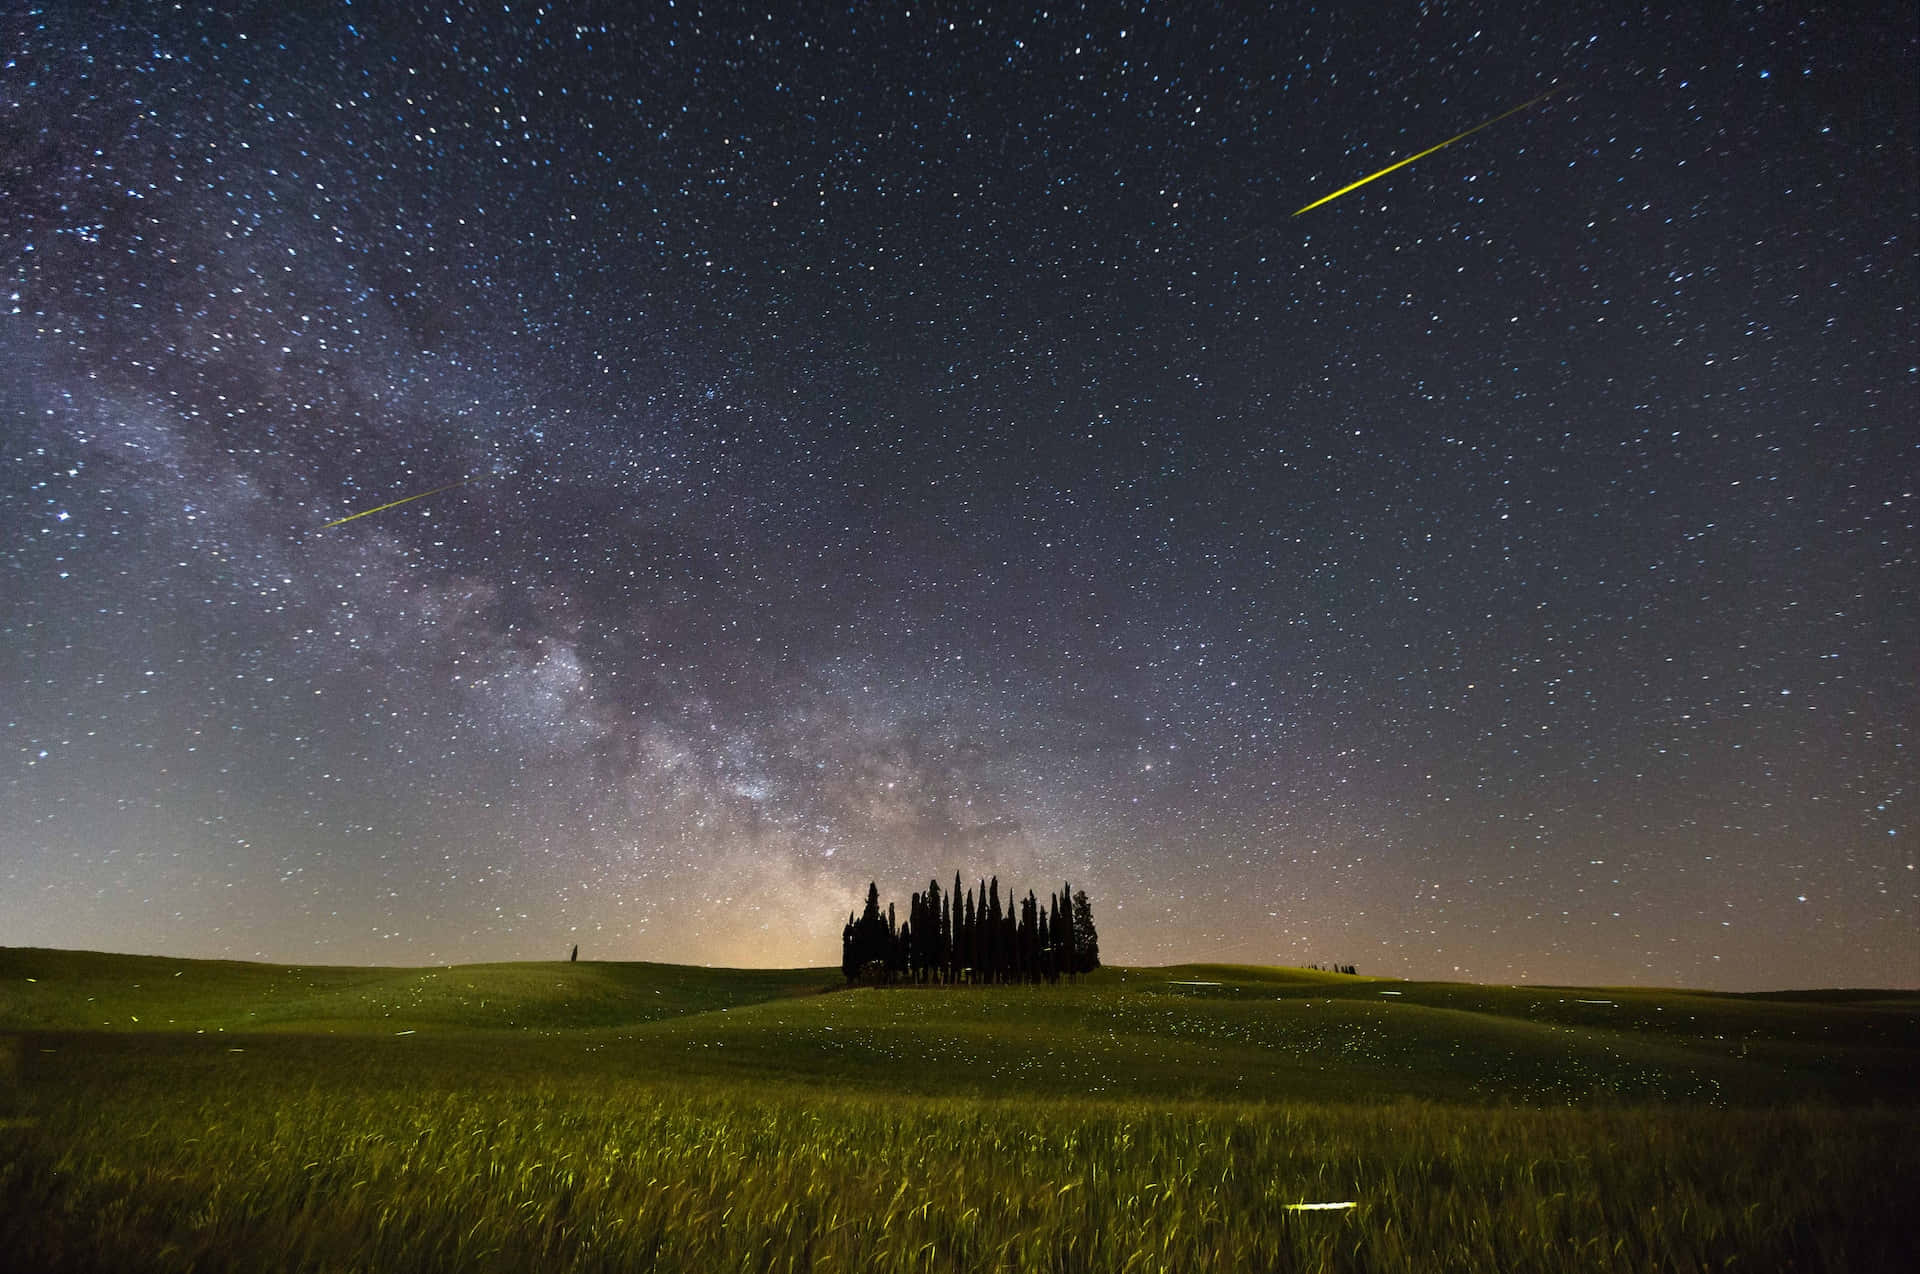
(654, 1117)
(85, 990)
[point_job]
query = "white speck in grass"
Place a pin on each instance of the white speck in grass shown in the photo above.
(403, 1032)
(1322, 1207)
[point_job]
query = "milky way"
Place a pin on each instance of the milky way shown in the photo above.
(898, 441)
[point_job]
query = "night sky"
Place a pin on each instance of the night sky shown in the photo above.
(899, 441)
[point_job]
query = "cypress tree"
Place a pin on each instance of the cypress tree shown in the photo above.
(870, 937)
(969, 966)
(981, 946)
(936, 956)
(910, 935)
(1069, 957)
(1055, 933)
(996, 958)
(1085, 934)
(930, 943)
(926, 936)
(946, 939)
(1029, 938)
(957, 940)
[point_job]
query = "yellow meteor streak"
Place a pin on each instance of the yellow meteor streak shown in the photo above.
(404, 500)
(1429, 150)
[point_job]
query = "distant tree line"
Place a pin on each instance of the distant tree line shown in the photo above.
(952, 937)
(1332, 968)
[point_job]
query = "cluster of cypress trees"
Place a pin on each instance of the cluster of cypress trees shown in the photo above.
(951, 937)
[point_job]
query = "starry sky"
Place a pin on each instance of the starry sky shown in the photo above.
(899, 439)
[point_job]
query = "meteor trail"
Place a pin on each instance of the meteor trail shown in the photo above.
(404, 500)
(1429, 150)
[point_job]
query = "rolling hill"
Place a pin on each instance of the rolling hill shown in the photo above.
(210, 1115)
(1218, 1031)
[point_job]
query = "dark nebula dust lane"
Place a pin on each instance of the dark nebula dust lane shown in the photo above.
(480, 479)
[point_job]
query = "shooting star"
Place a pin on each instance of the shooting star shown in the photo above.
(404, 500)
(1429, 150)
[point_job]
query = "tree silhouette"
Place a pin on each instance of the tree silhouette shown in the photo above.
(866, 944)
(1086, 939)
(970, 936)
(1063, 907)
(996, 943)
(957, 940)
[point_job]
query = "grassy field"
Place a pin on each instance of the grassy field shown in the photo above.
(172, 1114)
